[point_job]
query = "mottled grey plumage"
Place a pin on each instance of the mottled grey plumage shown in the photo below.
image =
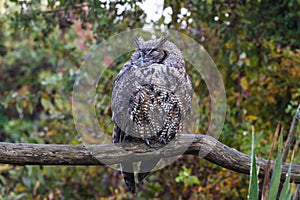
(151, 99)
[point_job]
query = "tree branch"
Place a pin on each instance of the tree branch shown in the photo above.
(203, 146)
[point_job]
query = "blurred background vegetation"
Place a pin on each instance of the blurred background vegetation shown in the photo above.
(255, 44)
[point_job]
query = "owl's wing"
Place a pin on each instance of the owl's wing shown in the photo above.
(122, 72)
(119, 135)
(146, 166)
(126, 167)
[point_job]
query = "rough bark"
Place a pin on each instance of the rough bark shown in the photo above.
(203, 146)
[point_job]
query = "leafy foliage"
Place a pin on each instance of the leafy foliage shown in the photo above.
(255, 45)
(273, 192)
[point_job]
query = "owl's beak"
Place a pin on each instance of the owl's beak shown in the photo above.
(141, 58)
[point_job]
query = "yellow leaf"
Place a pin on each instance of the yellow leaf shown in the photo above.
(30, 107)
(5, 167)
(232, 57)
(229, 44)
(246, 61)
(58, 102)
(271, 99)
(244, 83)
(197, 83)
(21, 188)
(24, 103)
(51, 132)
(45, 102)
(252, 117)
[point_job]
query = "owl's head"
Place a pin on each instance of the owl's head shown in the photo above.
(149, 52)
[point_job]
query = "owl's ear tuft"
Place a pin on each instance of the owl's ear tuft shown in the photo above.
(137, 41)
(161, 41)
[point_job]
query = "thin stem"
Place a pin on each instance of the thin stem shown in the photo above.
(291, 134)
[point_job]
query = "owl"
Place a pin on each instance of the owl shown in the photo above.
(151, 99)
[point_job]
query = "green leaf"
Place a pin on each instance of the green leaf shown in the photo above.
(186, 177)
(3, 180)
(232, 57)
(253, 186)
(286, 189)
(27, 181)
(58, 102)
(276, 173)
(45, 102)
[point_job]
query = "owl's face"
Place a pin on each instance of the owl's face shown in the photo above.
(148, 52)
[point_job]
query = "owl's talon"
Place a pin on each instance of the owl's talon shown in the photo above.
(147, 142)
(163, 140)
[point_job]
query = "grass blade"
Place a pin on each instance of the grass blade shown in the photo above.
(276, 173)
(286, 189)
(253, 186)
(265, 188)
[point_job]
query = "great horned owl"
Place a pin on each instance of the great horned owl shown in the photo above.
(151, 99)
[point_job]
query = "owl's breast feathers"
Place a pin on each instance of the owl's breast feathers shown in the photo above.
(152, 102)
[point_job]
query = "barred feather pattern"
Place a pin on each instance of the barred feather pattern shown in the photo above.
(150, 101)
(157, 113)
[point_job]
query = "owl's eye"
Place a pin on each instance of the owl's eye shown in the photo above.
(135, 56)
(154, 53)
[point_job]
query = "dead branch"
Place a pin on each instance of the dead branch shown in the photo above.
(203, 146)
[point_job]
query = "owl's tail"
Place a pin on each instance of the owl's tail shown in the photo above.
(128, 175)
(146, 167)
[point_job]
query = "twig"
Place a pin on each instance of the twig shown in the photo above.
(291, 134)
(295, 197)
(288, 141)
(296, 194)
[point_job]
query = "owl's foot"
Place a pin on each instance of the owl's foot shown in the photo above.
(162, 140)
(155, 142)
